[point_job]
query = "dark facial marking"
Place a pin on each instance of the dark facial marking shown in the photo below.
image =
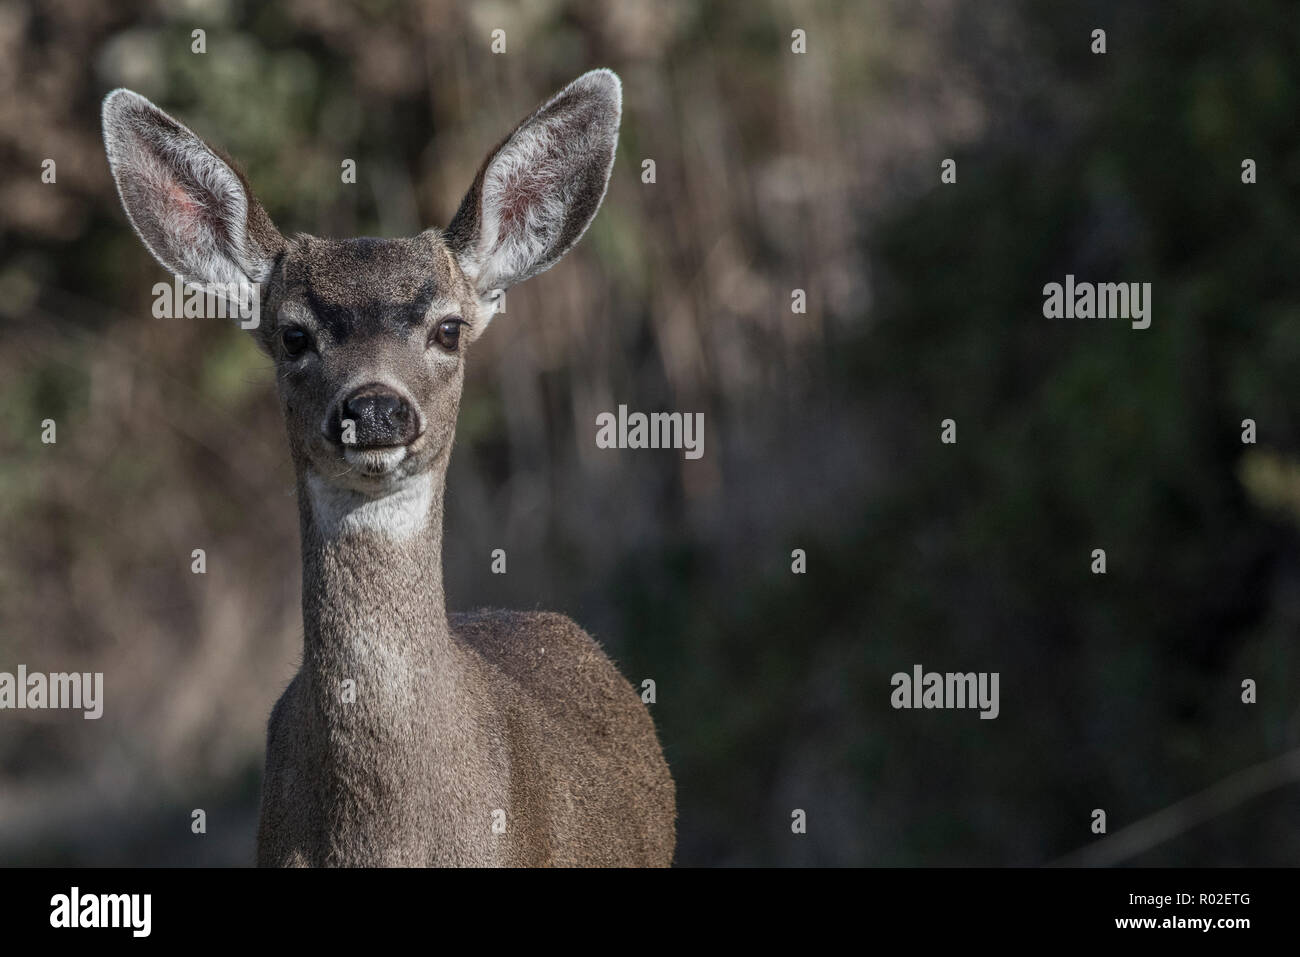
(372, 317)
(366, 287)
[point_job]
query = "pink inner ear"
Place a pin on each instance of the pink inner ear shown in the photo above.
(520, 195)
(185, 213)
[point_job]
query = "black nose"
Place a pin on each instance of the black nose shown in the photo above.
(378, 417)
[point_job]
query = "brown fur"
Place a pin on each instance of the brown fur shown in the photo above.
(408, 734)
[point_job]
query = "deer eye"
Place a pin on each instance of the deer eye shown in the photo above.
(295, 341)
(447, 333)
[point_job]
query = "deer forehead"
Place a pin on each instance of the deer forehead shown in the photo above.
(370, 285)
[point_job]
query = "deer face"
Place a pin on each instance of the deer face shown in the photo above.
(369, 336)
(369, 339)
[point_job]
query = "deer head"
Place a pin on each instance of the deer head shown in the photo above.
(369, 336)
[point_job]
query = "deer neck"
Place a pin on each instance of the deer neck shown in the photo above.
(373, 604)
(382, 679)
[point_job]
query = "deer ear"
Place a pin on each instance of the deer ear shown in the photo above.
(537, 192)
(191, 209)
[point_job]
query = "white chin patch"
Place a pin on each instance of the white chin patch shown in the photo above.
(375, 461)
(398, 512)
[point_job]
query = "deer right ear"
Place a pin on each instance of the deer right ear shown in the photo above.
(189, 207)
(538, 191)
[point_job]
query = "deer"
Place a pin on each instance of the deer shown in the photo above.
(411, 736)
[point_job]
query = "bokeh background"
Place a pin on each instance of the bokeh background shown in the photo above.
(775, 171)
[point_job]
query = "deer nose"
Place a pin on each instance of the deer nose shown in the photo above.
(379, 417)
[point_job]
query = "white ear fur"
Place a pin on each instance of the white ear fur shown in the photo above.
(539, 190)
(190, 209)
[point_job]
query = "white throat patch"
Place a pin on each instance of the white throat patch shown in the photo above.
(399, 514)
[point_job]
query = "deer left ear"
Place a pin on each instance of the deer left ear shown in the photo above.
(190, 208)
(538, 191)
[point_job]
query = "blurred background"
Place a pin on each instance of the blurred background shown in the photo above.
(775, 171)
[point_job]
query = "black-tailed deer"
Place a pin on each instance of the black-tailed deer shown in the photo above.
(408, 736)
